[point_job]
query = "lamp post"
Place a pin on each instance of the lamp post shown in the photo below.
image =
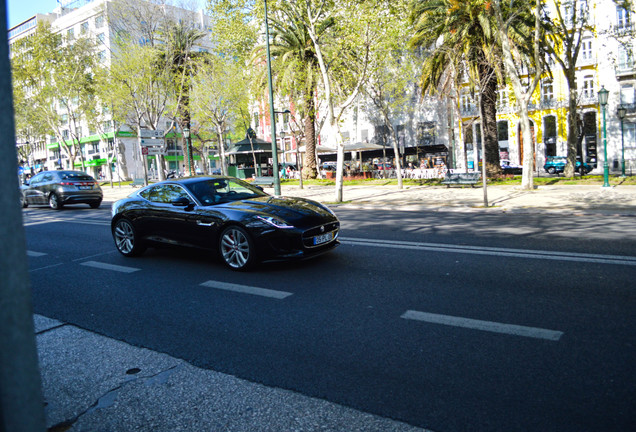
(621, 115)
(271, 108)
(186, 138)
(603, 95)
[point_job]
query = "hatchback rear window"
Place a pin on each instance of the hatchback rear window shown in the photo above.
(76, 176)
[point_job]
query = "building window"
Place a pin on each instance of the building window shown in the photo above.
(70, 34)
(586, 49)
(99, 21)
(587, 91)
(622, 18)
(102, 56)
(502, 131)
(547, 90)
(84, 27)
(502, 98)
(628, 94)
(256, 119)
(625, 57)
(426, 133)
(550, 135)
(101, 37)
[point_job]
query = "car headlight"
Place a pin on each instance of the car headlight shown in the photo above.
(275, 222)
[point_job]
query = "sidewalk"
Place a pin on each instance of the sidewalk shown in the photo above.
(94, 383)
(620, 200)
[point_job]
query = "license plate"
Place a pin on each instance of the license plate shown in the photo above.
(85, 187)
(323, 238)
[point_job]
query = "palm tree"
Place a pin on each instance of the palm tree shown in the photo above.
(180, 58)
(461, 32)
(298, 72)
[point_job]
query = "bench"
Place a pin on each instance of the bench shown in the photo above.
(263, 181)
(471, 178)
(137, 182)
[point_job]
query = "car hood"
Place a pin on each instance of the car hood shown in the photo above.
(290, 209)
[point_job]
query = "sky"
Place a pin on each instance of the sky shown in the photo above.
(20, 10)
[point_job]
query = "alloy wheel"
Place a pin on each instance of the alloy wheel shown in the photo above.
(236, 248)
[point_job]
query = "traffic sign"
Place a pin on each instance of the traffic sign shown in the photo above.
(147, 133)
(152, 142)
(154, 151)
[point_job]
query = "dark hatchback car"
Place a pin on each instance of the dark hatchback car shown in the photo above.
(240, 221)
(556, 164)
(58, 188)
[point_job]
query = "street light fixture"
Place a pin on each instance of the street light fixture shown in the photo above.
(603, 95)
(186, 137)
(622, 111)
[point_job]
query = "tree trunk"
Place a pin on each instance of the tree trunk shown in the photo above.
(488, 102)
(573, 132)
(309, 170)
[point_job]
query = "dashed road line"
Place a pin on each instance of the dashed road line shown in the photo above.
(490, 326)
(106, 266)
(244, 289)
(35, 254)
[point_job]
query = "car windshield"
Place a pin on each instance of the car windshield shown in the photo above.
(216, 191)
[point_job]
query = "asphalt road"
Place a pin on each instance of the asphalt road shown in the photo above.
(449, 321)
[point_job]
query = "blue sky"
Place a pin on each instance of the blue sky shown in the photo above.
(20, 10)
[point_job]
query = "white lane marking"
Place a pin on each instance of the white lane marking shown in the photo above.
(35, 254)
(93, 256)
(490, 326)
(247, 289)
(479, 250)
(46, 267)
(106, 266)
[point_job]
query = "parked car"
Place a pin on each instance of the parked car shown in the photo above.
(59, 188)
(329, 166)
(240, 221)
(510, 168)
(556, 164)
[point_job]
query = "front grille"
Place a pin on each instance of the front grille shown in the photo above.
(308, 236)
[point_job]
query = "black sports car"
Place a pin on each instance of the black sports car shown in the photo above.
(242, 222)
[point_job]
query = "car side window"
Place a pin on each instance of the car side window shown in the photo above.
(164, 193)
(47, 177)
(37, 178)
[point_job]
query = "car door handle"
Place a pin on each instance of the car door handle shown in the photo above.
(200, 222)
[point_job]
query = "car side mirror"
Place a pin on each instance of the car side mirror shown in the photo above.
(181, 202)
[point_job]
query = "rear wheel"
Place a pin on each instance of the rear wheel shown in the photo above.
(95, 204)
(126, 239)
(23, 201)
(551, 170)
(236, 248)
(54, 202)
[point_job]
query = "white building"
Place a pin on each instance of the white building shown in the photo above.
(98, 19)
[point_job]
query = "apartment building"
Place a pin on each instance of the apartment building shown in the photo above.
(606, 60)
(95, 18)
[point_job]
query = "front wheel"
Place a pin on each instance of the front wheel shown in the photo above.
(126, 239)
(54, 202)
(95, 204)
(551, 170)
(236, 248)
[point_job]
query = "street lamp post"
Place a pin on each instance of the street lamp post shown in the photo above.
(271, 108)
(603, 95)
(186, 138)
(621, 115)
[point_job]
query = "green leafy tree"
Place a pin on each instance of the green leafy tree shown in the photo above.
(462, 32)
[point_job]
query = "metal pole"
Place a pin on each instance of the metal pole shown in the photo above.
(605, 164)
(271, 109)
(21, 401)
(622, 151)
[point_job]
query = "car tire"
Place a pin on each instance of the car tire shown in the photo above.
(23, 201)
(126, 239)
(551, 170)
(236, 248)
(95, 204)
(54, 202)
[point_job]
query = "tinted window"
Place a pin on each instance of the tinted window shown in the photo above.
(215, 191)
(75, 176)
(164, 193)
